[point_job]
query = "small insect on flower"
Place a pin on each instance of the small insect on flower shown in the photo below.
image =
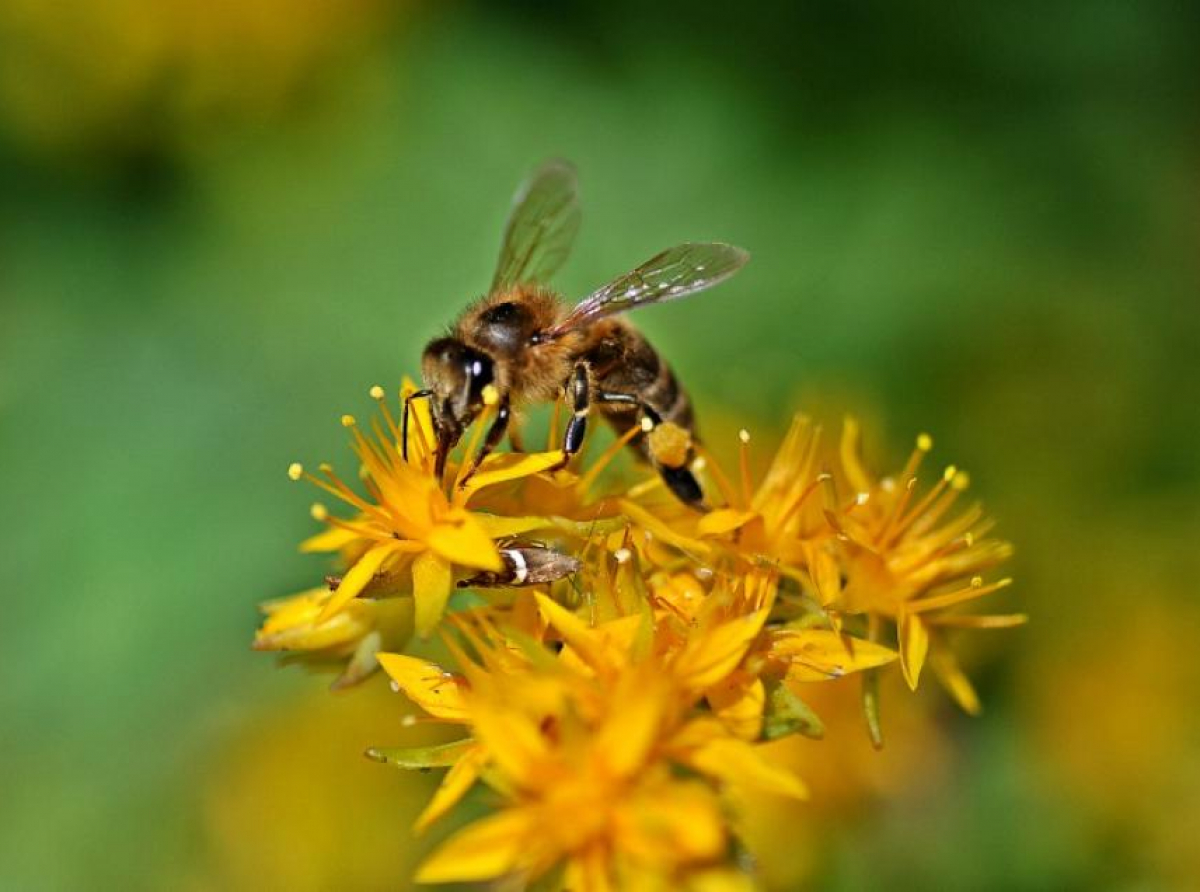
(522, 343)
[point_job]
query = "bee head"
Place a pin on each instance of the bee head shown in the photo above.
(456, 376)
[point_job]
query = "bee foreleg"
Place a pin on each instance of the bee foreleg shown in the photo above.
(494, 435)
(416, 395)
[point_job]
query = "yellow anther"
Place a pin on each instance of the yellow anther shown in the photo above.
(325, 467)
(961, 481)
(348, 421)
(647, 425)
(491, 395)
(744, 435)
(976, 582)
(319, 512)
(376, 392)
(968, 539)
(924, 442)
(950, 473)
(622, 555)
(862, 497)
(295, 470)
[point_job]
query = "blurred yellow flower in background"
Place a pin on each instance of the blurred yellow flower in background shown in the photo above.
(167, 68)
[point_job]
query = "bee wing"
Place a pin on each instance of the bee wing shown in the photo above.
(675, 273)
(541, 226)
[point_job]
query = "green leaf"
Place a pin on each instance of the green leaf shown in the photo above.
(421, 758)
(870, 701)
(785, 714)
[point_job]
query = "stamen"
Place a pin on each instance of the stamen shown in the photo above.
(606, 457)
(319, 512)
(468, 454)
(348, 421)
(969, 593)
(295, 470)
(552, 437)
(491, 395)
(622, 555)
(646, 425)
(924, 445)
(718, 475)
(744, 465)
(376, 393)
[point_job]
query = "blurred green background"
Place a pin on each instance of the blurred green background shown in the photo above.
(220, 223)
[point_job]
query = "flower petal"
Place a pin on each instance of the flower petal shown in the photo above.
(914, 646)
(498, 527)
(738, 703)
(432, 583)
(356, 579)
(332, 539)
(958, 686)
(482, 851)
(819, 654)
(464, 542)
(662, 530)
(460, 778)
(499, 468)
(707, 659)
(723, 520)
(741, 764)
(428, 685)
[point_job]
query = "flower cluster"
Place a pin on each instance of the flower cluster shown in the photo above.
(623, 659)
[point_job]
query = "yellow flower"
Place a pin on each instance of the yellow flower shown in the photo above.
(591, 731)
(907, 558)
(407, 526)
(583, 788)
(350, 639)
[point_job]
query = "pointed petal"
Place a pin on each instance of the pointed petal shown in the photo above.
(914, 646)
(432, 584)
(465, 543)
(738, 703)
(500, 468)
(628, 734)
(708, 659)
(332, 539)
(460, 778)
(363, 663)
(819, 654)
(356, 579)
(482, 851)
(741, 764)
(498, 527)
(954, 680)
(428, 685)
(723, 520)
(661, 530)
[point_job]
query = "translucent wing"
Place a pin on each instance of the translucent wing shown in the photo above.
(540, 228)
(675, 273)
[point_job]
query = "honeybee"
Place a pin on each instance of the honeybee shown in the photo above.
(523, 340)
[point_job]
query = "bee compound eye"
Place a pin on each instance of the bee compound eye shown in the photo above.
(479, 375)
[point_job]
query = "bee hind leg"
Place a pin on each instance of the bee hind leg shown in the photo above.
(668, 447)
